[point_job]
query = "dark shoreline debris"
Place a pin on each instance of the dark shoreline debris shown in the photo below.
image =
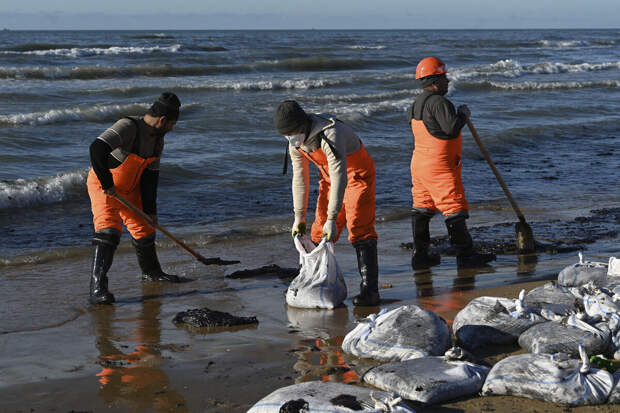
(552, 237)
(204, 317)
(265, 271)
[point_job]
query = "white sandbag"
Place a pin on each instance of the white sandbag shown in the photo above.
(549, 377)
(613, 267)
(583, 272)
(565, 337)
(429, 380)
(493, 320)
(601, 304)
(551, 297)
(328, 397)
(319, 283)
(614, 397)
(404, 333)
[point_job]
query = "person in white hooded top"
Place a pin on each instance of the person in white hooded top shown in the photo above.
(346, 186)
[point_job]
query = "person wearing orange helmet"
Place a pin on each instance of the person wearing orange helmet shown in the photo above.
(436, 169)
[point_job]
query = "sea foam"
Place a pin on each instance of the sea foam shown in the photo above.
(40, 191)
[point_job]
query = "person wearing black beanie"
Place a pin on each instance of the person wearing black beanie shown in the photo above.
(346, 187)
(125, 161)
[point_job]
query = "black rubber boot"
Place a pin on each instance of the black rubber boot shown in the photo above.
(149, 264)
(103, 255)
(421, 259)
(466, 256)
(368, 265)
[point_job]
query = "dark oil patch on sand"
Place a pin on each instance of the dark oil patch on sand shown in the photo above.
(552, 237)
(205, 317)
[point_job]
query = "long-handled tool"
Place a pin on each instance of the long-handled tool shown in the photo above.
(525, 237)
(206, 261)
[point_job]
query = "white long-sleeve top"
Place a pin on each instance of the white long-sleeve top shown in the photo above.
(344, 141)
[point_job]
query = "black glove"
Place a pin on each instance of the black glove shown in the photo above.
(464, 110)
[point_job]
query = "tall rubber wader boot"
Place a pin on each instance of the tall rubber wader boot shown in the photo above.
(368, 265)
(149, 264)
(104, 243)
(466, 257)
(421, 259)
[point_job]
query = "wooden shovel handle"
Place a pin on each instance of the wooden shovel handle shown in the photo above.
(149, 221)
(495, 171)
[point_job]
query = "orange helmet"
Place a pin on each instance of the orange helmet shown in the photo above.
(430, 66)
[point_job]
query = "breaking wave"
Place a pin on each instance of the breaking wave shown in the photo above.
(96, 51)
(541, 85)
(310, 64)
(92, 113)
(364, 47)
(511, 68)
(40, 191)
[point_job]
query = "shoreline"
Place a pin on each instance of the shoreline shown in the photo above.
(130, 356)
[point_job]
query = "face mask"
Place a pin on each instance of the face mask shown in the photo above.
(296, 140)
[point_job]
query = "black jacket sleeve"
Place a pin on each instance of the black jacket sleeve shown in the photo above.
(148, 189)
(445, 122)
(99, 153)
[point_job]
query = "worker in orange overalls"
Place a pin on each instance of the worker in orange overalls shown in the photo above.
(346, 186)
(436, 169)
(125, 161)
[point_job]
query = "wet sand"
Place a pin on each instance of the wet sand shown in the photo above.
(57, 353)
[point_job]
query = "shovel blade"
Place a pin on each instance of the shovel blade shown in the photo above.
(525, 238)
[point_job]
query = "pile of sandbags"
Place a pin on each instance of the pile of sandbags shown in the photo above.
(430, 380)
(556, 378)
(327, 397)
(583, 272)
(493, 320)
(404, 333)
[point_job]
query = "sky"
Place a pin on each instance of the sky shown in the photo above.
(308, 14)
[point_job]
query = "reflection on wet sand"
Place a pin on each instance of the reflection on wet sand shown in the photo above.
(135, 377)
(320, 356)
(444, 299)
(527, 264)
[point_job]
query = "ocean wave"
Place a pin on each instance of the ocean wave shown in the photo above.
(353, 112)
(92, 113)
(96, 51)
(30, 47)
(562, 44)
(96, 113)
(540, 85)
(364, 47)
(208, 48)
(302, 84)
(152, 36)
(310, 64)
(259, 84)
(512, 68)
(410, 93)
(40, 191)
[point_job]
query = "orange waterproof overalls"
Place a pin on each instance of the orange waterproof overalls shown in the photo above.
(109, 212)
(436, 172)
(359, 204)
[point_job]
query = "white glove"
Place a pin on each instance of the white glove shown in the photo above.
(330, 229)
(464, 110)
(299, 227)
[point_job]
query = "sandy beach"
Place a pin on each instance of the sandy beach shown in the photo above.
(60, 354)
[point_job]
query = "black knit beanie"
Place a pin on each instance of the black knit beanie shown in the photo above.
(167, 105)
(288, 117)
